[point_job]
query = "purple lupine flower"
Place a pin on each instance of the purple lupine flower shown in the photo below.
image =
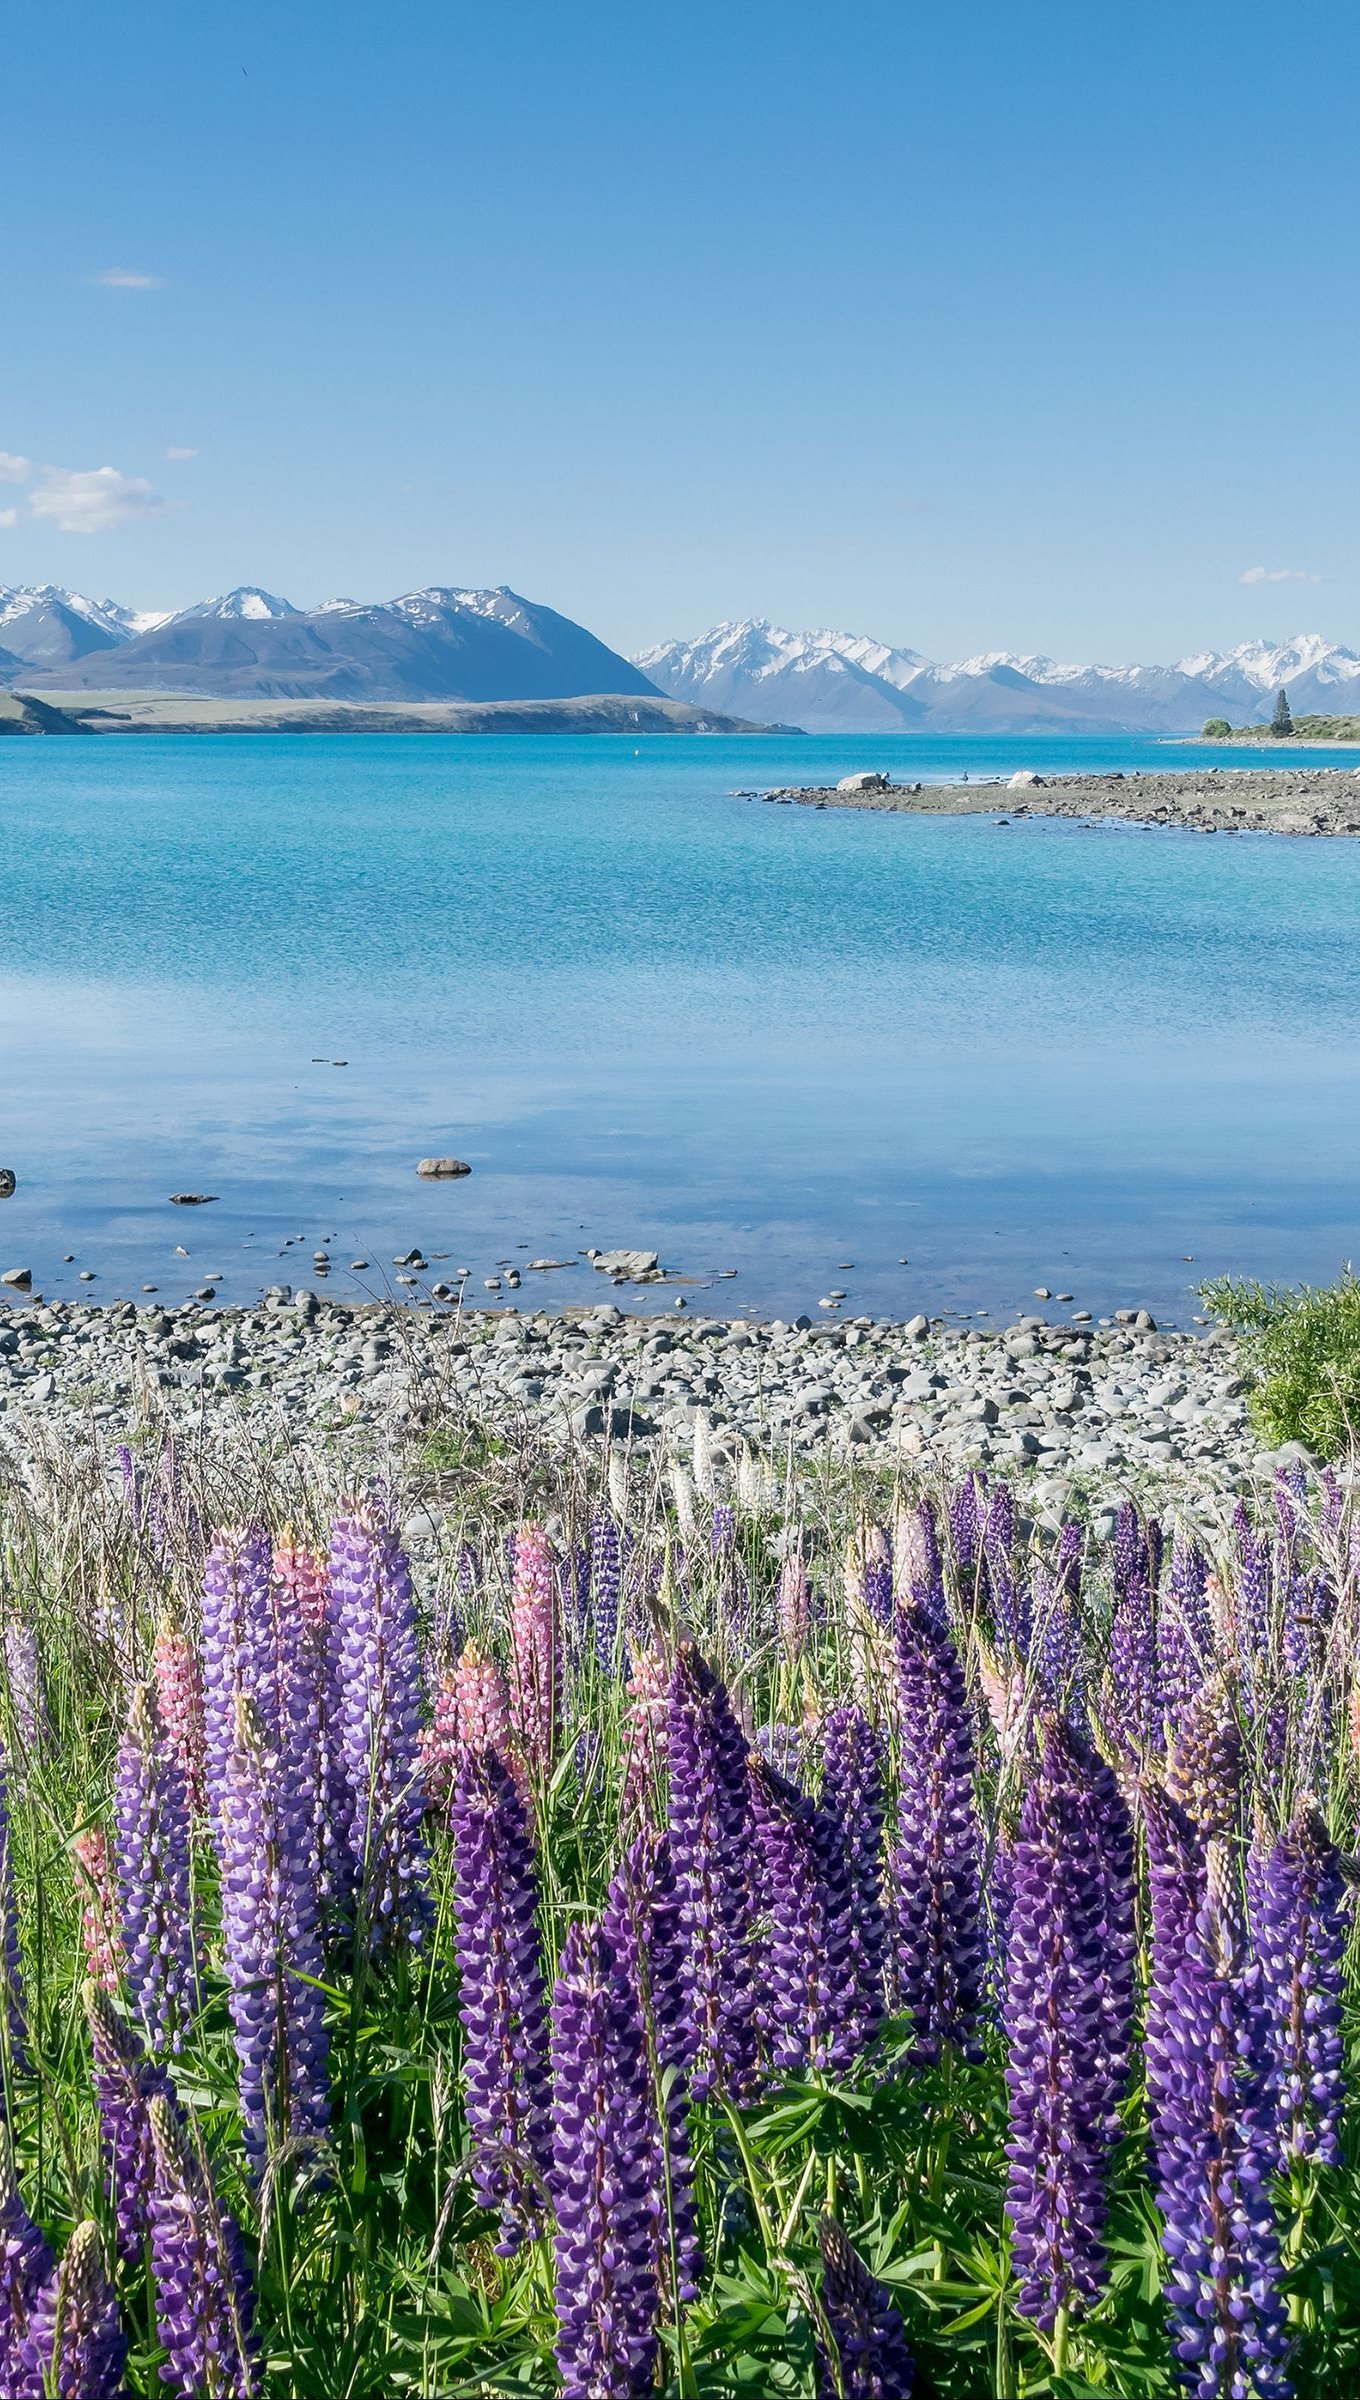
(872, 2360)
(723, 1539)
(878, 1574)
(1205, 1771)
(1057, 1652)
(307, 1675)
(306, 1706)
(501, 2001)
(965, 1525)
(1111, 1835)
(606, 1572)
(1208, 2063)
(1000, 1902)
(1133, 1682)
(641, 1924)
(75, 2344)
(603, 2160)
(1184, 1635)
(853, 1795)
(25, 2265)
(272, 1943)
(1057, 2073)
(151, 1839)
(807, 1970)
(31, 1721)
(205, 2304)
(1011, 1612)
(938, 1940)
(126, 2081)
(710, 1837)
(1067, 1559)
(1253, 1588)
(13, 2015)
(1299, 1931)
(379, 1723)
(237, 1641)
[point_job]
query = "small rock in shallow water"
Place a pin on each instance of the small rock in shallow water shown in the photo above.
(443, 1167)
(191, 1199)
(9, 1183)
(20, 1278)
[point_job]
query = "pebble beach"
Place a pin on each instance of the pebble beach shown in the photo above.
(1099, 1407)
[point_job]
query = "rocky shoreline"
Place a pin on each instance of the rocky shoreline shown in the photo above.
(1097, 1407)
(1216, 799)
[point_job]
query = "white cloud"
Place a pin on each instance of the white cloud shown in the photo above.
(177, 451)
(95, 501)
(1278, 575)
(14, 469)
(9, 516)
(126, 279)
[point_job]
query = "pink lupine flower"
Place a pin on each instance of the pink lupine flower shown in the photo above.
(179, 1689)
(99, 1911)
(645, 1730)
(535, 1649)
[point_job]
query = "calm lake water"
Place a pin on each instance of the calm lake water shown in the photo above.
(803, 1046)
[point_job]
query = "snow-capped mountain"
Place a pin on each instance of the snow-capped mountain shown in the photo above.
(42, 625)
(247, 602)
(447, 643)
(840, 682)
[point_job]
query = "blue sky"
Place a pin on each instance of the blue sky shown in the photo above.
(972, 327)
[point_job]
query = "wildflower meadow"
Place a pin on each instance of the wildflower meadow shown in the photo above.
(842, 1940)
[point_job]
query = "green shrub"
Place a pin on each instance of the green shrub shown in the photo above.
(1216, 729)
(1303, 1350)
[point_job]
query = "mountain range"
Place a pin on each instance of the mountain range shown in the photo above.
(457, 644)
(443, 644)
(848, 683)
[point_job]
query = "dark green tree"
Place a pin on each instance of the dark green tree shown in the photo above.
(1216, 729)
(1282, 724)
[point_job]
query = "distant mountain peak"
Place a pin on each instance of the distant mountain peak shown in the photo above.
(247, 602)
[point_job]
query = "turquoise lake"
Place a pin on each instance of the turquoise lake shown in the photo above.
(799, 1045)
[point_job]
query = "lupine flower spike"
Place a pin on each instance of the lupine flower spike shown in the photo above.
(204, 2297)
(379, 1699)
(25, 2265)
(75, 2344)
(99, 1932)
(1056, 2072)
(602, 2178)
(939, 1948)
(872, 2360)
(502, 2001)
(808, 1968)
(126, 2081)
(710, 1837)
(535, 1650)
(151, 1816)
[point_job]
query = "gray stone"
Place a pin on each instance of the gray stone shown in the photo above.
(870, 781)
(915, 1329)
(441, 1168)
(632, 1266)
(21, 1278)
(9, 1183)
